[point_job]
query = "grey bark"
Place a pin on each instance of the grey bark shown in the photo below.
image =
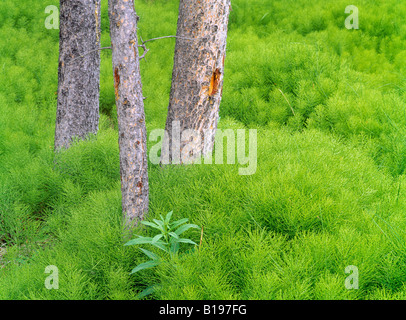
(197, 79)
(130, 111)
(78, 77)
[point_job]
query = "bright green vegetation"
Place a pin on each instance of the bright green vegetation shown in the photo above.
(329, 191)
(167, 239)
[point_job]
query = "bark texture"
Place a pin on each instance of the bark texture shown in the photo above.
(197, 78)
(130, 111)
(78, 77)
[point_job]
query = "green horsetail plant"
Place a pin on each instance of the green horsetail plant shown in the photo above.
(168, 240)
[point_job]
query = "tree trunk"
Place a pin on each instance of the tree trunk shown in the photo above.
(79, 71)
(130, 111)
(197, 79)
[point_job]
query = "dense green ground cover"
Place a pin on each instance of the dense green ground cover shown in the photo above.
(329, 107)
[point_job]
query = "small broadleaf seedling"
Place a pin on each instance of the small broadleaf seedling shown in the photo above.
(167, 240)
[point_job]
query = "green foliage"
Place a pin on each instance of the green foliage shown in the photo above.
(168, 240)
(294, 63)
(329, 107)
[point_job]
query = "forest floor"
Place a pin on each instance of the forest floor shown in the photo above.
(327, 199)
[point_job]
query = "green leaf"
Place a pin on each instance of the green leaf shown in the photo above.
(178, 223)
(184, 240)
(146, 265)
(161, 245)
(186, 227)
(150, 254)
(140, 240)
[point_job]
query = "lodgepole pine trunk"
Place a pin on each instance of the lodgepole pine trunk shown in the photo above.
(78, 76)
(130, 111)
(197, 79)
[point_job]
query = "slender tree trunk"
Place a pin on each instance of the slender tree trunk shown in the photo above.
(130, 111)
(197, 79)
(79, 77)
